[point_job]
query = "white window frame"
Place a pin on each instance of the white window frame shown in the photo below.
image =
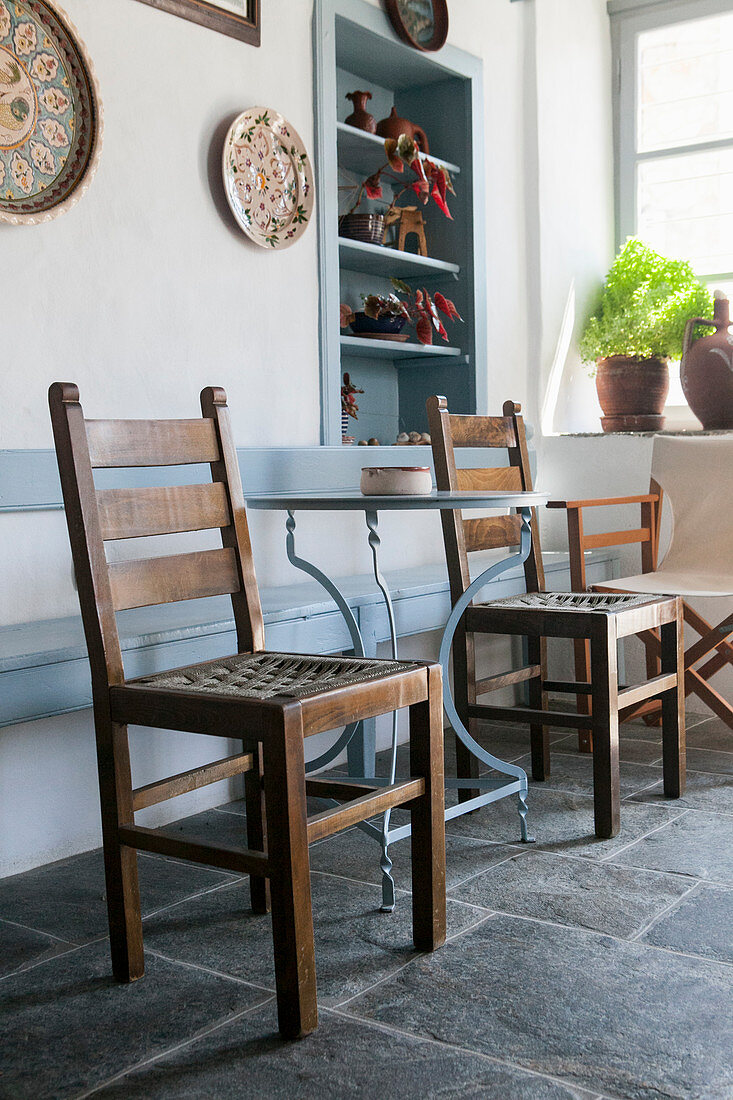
(628, 19)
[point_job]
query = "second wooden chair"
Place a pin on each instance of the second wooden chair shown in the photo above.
(600, 619)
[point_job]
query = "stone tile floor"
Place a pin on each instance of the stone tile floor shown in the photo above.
(575, 968)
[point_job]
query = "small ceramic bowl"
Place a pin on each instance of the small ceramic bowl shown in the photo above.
(388, 481)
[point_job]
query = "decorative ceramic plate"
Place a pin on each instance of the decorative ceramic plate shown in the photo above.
(268, 178)
(50, 113)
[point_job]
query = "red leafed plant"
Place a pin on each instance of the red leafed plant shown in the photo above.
(418, 309)
(431, 181)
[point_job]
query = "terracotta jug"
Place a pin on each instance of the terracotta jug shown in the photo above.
(393, 126)
(707, 369)
(361, 118)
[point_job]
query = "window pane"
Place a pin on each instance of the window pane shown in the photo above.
(685, 92)
(685, 208)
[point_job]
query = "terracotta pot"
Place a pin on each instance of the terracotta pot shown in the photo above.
(707, 370)
(393, 126)
(362, 227)
(632, 393)
(361, 118)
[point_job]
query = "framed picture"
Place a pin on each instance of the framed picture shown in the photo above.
(238, 18)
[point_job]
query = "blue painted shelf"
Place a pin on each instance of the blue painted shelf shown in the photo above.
(355, 46)
(393, 349)
(376, 259)
(361, 152)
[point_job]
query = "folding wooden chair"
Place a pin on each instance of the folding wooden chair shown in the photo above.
(696, 476)
(597, 620)
(269, 701)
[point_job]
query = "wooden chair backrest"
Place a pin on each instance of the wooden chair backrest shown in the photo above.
(462, 536)
(96, 516)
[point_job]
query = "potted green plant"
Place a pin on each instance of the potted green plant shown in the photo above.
(637, 325)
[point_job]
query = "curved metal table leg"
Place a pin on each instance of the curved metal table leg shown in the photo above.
(520, 785)
(388, 887)
(353, 627)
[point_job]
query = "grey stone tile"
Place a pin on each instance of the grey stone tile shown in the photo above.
(713, 733)
(561, 821)
(702, 924)
(617, 900)
(343, 1059)
(708, 760)
(355, 855)
(630, 752)
(68, 1025)
(22, 947)
(356, 945)
(67, 899)
(621, 1018)
(639, 731)
(712, 792)
(575, 773)
(695, 844)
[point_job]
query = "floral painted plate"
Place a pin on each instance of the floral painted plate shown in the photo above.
(50, 113)
(268, 178)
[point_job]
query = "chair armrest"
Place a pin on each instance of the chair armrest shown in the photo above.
(645, 498)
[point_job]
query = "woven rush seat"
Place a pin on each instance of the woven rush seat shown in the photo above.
(265, 675)
(572, 601)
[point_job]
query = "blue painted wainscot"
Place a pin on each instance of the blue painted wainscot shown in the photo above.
(43, 665)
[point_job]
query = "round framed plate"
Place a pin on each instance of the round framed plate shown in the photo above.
(268, 178)
(421, 23)
(50, 113)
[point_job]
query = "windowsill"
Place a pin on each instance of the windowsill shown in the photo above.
(664, 431)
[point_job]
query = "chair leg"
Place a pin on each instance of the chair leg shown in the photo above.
(254, 795)
(606, 783)
(539, 735)
(428, 818)
(287, 840)
(582, 675)
(120, 862)
(674, 755)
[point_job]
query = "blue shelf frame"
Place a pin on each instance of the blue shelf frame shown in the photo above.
(344, 27)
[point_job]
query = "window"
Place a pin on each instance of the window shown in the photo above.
(674, 133)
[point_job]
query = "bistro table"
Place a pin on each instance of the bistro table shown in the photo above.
(513, 779)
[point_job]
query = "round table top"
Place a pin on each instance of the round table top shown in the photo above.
(343, 500)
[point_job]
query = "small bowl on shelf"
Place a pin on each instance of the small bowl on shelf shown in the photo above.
(367, 228)
(378, 328)
(396, 481)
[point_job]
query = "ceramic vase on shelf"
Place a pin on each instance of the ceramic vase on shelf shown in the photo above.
(706, 372)
(632, 393)
(393, 126)
(360, 117)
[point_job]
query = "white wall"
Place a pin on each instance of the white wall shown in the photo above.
(147, 291)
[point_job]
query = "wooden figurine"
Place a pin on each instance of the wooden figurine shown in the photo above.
(410, 220)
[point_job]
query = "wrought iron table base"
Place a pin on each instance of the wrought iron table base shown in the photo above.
(495, 789)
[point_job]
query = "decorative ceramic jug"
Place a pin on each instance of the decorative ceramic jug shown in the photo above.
(393, 126)
(707, 369)
(361, 118)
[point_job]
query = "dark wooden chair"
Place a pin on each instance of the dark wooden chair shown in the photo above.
(269, 701)
(601, 620)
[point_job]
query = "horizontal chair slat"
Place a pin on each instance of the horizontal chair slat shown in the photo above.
(492, 478)
(243, 860)
(153, 793)
(482, 431)
(637, 694)
(174, 577)
(342, 817)
(491, 533)
(616, 538)
(506, 679)
(134, 513)
(120, 443)
(527, 715)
